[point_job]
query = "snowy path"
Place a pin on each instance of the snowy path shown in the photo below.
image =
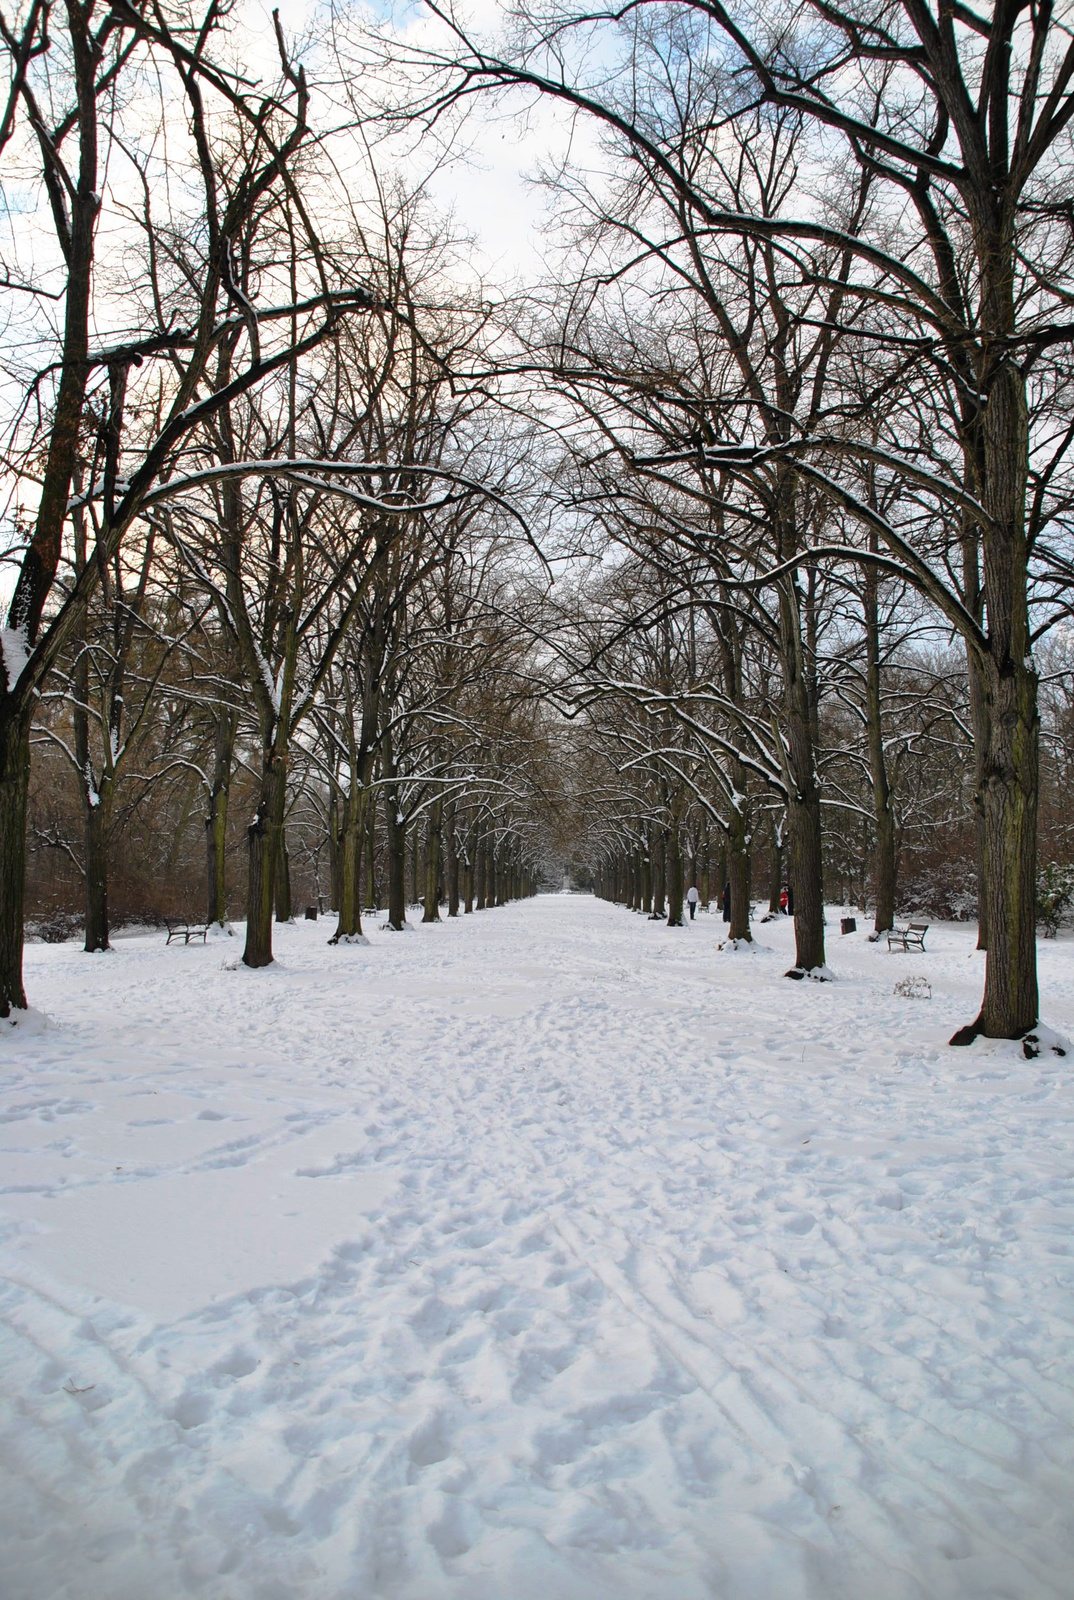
(546, 1255)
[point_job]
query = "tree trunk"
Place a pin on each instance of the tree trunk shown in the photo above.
(806, 874)
(659, 860)
(481, 886)
(739, 877)
(806, 861)
(97, 815)
(14, 784)
(1012, 766)
(352, 833)
(264, 837)
(674, 875)
(396, 860)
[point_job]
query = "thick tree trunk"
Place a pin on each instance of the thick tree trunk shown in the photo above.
(674, 875)
(1003, 678)
(352, 835)
(14, 784)
(806, 862)
(97, 815)
(739, 878)
(806, 875)
(481, 885)
(1012, 766)
(396, 860)
(659, 868)
(264, 837)
(1010, 799)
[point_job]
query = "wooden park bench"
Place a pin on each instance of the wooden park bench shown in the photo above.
(186, 931)
(912, 937)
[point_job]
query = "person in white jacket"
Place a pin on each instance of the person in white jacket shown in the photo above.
(692, 897)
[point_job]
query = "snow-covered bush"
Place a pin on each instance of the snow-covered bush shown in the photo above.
(1055, 896)
(914, 988)
(54, 927)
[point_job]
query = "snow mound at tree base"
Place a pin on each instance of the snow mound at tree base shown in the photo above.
(349, 938)
(818, 974)
(1044, 1041)
(26, 1024)
(744, 947)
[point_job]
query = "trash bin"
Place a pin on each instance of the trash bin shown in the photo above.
(848, 924)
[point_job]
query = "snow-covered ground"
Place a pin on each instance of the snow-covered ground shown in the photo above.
(544, 1255)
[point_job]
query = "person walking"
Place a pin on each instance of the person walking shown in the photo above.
(727, 902)
(692, 897)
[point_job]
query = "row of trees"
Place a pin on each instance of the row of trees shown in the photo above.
(816, 325)
(794, 402)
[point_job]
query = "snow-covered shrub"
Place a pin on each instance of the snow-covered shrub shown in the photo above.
(945, 891)
(54, 927)
(1055, 896)
(913, 988)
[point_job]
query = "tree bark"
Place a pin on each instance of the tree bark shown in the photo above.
(97, 816)
(674, 874)
(264, 836)
(396, 827)
(659, 859)
(739, 877)
(352, 835)
(803, 792)
(1012, 764)
(481, 885)
(14, 784)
